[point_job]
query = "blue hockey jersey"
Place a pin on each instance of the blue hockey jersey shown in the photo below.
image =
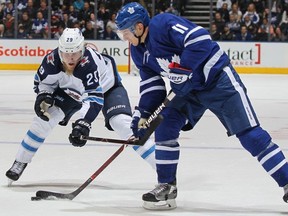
(175, 39)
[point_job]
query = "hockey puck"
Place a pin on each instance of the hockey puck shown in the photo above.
(35, 198)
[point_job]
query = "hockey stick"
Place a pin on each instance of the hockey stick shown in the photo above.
(152, 122)
(108, 140)
(52, 195)
(155, 119)
(47, 195)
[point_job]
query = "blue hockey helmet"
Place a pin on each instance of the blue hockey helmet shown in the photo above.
(131, 14)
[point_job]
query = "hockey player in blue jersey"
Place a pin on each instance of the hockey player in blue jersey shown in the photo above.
(202, 78)
(74, 77)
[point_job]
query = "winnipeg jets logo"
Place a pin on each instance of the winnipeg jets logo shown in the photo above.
(131, 10)
(84, 61)
(73, 94)
(50, 58)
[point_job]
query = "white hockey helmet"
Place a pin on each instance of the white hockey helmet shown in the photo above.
(71, 41)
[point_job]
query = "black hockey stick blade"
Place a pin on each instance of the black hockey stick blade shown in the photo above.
(49, 195)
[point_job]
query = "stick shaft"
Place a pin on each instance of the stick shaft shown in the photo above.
(108, 140)
(46, 194)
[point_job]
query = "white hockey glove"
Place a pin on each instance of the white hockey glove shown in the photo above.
(139, 119)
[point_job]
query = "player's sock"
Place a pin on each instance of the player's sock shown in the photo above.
(147, 152)
(121, 125)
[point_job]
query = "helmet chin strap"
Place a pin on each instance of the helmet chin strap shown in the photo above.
(139, 37)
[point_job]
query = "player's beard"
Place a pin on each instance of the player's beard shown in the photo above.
(70, 61)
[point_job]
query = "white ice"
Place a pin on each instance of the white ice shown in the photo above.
(216, 176)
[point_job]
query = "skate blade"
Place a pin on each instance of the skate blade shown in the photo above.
(161, 205)
(10, 182)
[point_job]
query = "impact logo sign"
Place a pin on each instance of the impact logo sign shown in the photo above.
(247, 54)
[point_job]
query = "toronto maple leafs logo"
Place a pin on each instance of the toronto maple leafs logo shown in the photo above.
(131, 10)
(164, 64)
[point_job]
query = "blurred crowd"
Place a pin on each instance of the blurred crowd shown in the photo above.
(242, 20)
(250, 20)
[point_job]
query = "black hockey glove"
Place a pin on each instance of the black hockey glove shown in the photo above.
(79, 128)
(44, 100)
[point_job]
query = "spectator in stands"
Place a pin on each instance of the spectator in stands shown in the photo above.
(220, 23)
(84, 14)
(265, 32)
(251, 12)
(78, 5)
(259, 5)
(172, 8)
(9, 8)
(22, 4)
(68, 23)
(214, 33)
(31, 10)
(113, 5)
(251, 27)
(221, 2)
(111, 23)
(55, 23)
(109, 34)
(2, 6)
(224, 12)
(233, 24)
(276, 15)
(227, 35)
(26, 23)
(43, 8)
(22, 34)
(244, 35)
(98, 24)
(60, 31)
(72, 13)
(279, 37)
(88, 31)
(103, 13)
(243, 5)
(9, 26)
(284, 23)
(236, 12)
(39, 26)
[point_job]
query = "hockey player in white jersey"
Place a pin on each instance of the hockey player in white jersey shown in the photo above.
(202, 77)
(75, 77)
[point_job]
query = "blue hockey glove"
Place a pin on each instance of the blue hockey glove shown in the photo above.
(180, 79)
(80, 128)
(44, 100)
(139, 118)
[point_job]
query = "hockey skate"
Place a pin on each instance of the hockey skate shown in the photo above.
(161, 198)
(15, 171)
(285, 197)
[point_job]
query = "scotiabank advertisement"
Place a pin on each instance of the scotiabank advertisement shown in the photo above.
(28, 54)
(247, 57)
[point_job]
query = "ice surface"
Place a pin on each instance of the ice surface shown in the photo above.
(215, 176)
